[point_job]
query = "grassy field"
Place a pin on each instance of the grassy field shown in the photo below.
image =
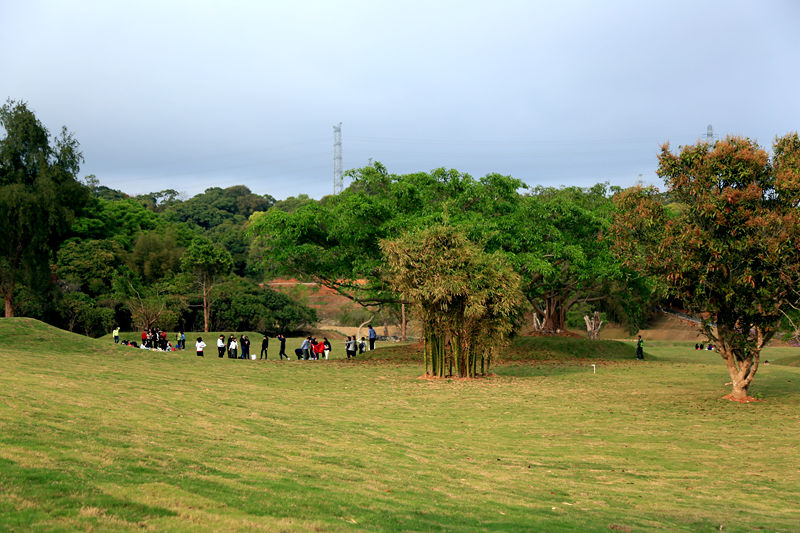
(99, 437)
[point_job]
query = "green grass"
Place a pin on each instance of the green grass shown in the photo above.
(99, 437)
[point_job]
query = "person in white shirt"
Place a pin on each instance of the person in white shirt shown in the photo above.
(233, 347)
(199, 345)
(221, 346)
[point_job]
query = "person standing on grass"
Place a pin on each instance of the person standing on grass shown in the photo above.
(306, 348)
(221, 346)
(264, 345)
(350, 347)
(183, 341)
(319, 350)
(115, 332)
(372, 337)
(640, 348)
(230, 342)
(327, 346)
(282, 352)
(199, 345)
(233, 348)
(244, 344)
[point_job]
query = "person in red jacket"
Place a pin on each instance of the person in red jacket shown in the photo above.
(319, 349)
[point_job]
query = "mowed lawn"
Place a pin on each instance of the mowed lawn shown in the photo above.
(98, 437)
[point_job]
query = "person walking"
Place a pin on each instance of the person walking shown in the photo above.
(115, 333)
(372, 337)
(640, 348)
(282, 352)
(264, 345)
(199, 345)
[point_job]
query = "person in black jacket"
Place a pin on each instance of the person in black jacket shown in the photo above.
(245, 343)
(264, 345)
(282, 352)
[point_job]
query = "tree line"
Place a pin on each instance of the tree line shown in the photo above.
(85, 257)
(472, 258)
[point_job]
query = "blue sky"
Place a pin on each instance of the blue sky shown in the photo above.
(189, 95)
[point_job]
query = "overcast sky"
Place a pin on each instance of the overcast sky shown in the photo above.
(190, 95)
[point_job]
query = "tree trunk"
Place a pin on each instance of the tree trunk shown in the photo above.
(206, 310)
(537, 324)
(593, 325)
(9, 304)
(358, 332)
(403, 322)
(554, 316)
(741, 374)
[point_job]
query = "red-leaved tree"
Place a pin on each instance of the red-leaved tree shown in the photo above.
(725, 240)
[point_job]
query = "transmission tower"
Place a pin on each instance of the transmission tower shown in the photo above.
(337, 159)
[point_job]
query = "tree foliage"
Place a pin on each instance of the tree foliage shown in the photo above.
(242, 305)
(730, 250)
(39, 195)
(206, 262)
(466, 298)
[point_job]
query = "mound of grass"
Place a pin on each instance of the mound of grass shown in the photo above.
(564, 349)
(522, 349)
(29, 335)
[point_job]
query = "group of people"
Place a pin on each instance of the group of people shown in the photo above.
(702, 346)
(153, 339)
(310, 349)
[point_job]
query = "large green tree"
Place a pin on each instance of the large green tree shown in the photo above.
(335, 241)
(556, 239)
(729, 248)
(207, 262)
(39, 195)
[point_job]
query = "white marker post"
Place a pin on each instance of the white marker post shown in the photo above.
(594, 369)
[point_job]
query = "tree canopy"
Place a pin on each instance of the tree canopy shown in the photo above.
(729, 249)
(39, 196)
(467, 299)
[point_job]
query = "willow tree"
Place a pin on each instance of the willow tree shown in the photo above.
(729, 248)
(466, 298)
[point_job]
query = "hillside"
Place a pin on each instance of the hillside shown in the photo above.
(525, 349)
(29, 335)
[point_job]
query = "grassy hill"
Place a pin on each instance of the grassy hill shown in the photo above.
(105, 438)
(525, 349)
